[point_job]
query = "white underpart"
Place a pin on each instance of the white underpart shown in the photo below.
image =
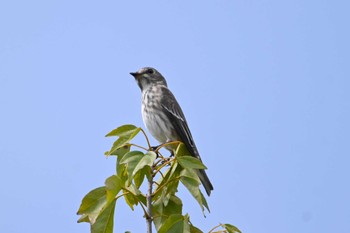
(154, 120)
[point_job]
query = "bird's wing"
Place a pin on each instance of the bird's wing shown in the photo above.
(176, 116)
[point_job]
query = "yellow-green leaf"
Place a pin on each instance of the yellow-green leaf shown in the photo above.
(230, 228)
(113, 185)
(190, 162)
(105, 221)
(92, 204)
(174, 224)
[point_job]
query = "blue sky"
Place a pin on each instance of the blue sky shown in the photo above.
(264, 86)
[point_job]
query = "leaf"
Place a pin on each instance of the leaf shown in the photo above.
(190, 173)
(161, 211)
(136, 161)
(194, 229)
(230, 228)
(130, 156)
(113, 186)
(120, 151)
(190, 162)
(174, 224)
(105, 221)
(84, 218)
(170, 181)
(192, 185)
(181, 150)
(146, 160)
(130, 199)
(140, 176)
(123, 131)
(131, 159)
(92, 204)
(133, 196)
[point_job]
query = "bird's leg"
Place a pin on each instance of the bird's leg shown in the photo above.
(155, 149)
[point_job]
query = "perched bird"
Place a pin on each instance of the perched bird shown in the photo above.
(163, 116)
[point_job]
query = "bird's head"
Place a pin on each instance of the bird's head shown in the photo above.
(147, 76)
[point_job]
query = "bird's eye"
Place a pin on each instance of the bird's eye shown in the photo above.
(150, 71)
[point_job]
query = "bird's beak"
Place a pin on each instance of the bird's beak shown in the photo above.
(135, 74)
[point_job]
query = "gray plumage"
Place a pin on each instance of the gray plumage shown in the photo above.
(163, 116)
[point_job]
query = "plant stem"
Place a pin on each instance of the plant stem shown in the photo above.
(149, 218)
(214, 228)
(149, 144)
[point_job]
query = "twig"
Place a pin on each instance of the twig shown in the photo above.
(166, 144)
(214, 228)
(149, 205)
(149, 144)
(141, 147)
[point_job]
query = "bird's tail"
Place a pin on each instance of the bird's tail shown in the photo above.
(205, 181)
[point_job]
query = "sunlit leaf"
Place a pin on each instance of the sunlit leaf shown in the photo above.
(130, 199)
(146, 160)
(92, 204)
(230, 228)
(123, 131)
(192, 185)
(140, 176)
(181, 150)
(174, 224)
(170, 181)
(133, 196)
(131, 156)
(190, 173)
(119, 151)
(84, 218)
(113, 185)
(136, 161)
(194, 229)
(190, 162)
(104, 222)
(161, 211)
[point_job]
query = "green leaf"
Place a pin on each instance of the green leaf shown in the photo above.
(104, 222)
(92, 204)
(169, 183)
(123, 131)
(130, 156)
(131, 159)
(133, 196)
(140, 176)
(174, 224)
(230, 228)
(130, 199)
(181, 150)
(146, 160)
(118, 152)
(190, 173)
(84, 218)
(136, 161)
(194, 229)
(113, 186)
(190, 162)
(193, 186)
(161, 211)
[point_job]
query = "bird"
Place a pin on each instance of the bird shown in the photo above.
(163, 116)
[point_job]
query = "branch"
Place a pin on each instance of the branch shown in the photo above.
(149, 144)
(149, 204)
(214, 228)
(141, 147)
